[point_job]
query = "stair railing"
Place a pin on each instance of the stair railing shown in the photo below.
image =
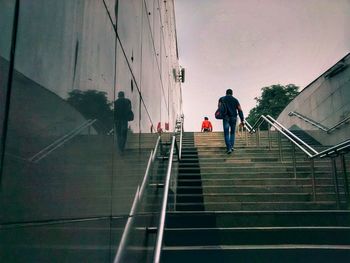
(338, 150)
(307, 149)
(299, 141)
(161, 224)
(317, 124)
(179, 127)
(248, 126)
(295, 141)
(60, 141)
(136, 204)
(181, 135)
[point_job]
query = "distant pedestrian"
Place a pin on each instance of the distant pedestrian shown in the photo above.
(206, 125)
(229, 120)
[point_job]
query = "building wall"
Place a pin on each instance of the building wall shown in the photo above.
(326, 101)
(72, 58)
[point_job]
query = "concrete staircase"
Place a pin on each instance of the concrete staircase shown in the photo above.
(189, 196)
(253, 205)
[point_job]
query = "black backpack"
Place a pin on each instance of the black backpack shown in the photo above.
(221, 112)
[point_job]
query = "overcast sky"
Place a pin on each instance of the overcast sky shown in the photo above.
(249, 44)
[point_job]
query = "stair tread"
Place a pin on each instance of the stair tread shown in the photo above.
(252, 228)
(248, 194)
(249, 247)
(265, 202)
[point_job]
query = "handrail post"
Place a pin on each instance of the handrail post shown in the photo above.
(335, 180)
(258, 137)
(269, 135)
(294, 161)
(346, 182)
(181, 135)
(160, 232)
(280, 147)
(313, 179)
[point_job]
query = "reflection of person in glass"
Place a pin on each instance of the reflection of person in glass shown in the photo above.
(123, 114)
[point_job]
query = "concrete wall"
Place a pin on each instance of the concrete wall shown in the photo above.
(326, 101)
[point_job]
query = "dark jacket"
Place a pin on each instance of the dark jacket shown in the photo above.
(122, 107)
(233, 106)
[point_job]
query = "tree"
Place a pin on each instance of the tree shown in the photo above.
(93, 104)
(272, 102)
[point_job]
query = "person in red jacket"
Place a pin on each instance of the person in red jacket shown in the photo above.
(206, 125)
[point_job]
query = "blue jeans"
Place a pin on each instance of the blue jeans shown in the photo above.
(229, 122)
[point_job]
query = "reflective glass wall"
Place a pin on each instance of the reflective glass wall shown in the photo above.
(92, 85)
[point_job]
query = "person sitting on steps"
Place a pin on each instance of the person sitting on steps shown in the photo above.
(206, 125)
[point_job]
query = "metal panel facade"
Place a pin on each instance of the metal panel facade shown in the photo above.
(72, 158)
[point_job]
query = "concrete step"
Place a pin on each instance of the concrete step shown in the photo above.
(257, 175)
(253, 206)
(262, 189)
(206, 219)
(269, 253)
(257, 197)
(252, 157)
(248, 164)
(250, 148)
(217, 236)
(257, 181)
(238, 169)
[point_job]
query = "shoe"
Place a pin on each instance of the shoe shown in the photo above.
(229, 151)
(232, 149)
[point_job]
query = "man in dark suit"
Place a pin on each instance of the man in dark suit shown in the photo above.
(123, 114)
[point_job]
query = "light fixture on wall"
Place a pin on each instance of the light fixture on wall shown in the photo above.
(179, 75)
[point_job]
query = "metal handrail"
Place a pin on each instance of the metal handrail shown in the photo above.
(156, 149)
(319, 125)
(339, 149)
(181, 136)
(285, 132)
(137, 198)
(333, 150)
(297, 141)
(293, 135)
(160, 233)
(248, 126)
(60, 141)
